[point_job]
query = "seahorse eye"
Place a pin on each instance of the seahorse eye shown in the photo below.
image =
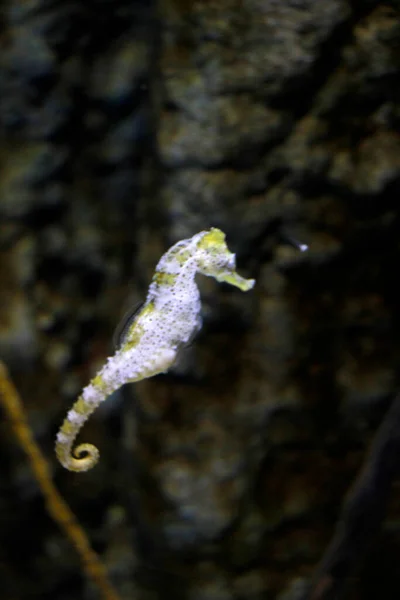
(224, 262)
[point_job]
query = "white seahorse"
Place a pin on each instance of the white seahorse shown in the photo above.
(168, 319)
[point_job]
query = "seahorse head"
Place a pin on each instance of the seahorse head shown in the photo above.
(215, 260)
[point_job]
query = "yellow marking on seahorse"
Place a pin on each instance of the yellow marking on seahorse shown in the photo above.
(67, 427)
(135, 331)
(98, 383)
(213, 240)
(162, 278)
(80, 405)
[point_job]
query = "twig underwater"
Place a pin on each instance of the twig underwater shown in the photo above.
(169, 318)
(56, 506)
(362, 514)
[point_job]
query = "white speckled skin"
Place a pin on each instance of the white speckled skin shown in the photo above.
(168, 319)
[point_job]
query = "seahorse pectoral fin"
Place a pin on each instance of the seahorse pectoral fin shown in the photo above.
(235, 279)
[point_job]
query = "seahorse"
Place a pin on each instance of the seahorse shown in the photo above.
(168, 319)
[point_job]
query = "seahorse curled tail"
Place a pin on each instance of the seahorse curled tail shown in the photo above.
(84, 456)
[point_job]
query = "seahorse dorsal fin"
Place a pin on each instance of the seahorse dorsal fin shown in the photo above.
(124, 325)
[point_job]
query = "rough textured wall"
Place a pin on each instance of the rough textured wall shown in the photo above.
(125, 127)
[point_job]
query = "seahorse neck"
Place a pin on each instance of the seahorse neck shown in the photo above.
(187, 273)
(174, 280)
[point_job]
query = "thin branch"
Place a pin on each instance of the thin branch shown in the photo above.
(55, 504)
(362, 513)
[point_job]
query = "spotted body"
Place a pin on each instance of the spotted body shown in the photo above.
(168, 319)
